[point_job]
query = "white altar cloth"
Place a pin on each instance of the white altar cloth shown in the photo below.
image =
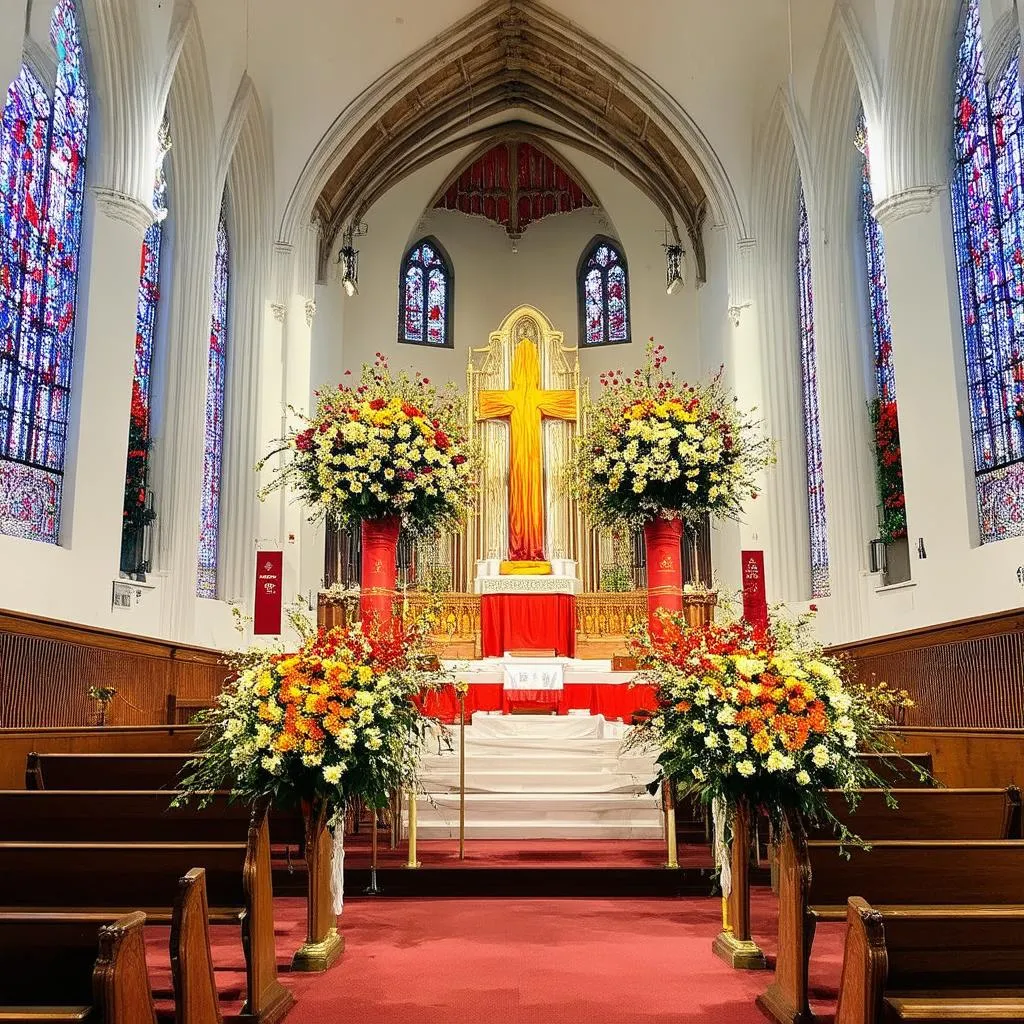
(546, 727)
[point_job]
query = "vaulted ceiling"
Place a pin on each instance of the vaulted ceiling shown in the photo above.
(524, 62)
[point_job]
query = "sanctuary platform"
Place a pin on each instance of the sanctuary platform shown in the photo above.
(532, 776)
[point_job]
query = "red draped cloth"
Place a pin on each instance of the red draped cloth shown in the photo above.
(613, 700)
(528, 622)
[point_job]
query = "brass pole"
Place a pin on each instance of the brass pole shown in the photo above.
(412, 862)
(462, 774)
(668, 799)
(372, 889)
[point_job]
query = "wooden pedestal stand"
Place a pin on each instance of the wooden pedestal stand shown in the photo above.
(734, 944)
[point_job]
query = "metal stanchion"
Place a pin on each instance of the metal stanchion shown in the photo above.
(462, 770)
(671, 842)
(372, 889)
(412, 862)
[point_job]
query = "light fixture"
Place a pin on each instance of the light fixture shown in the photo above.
(921, 553)
(673, 266)
(877, 555)
(349, 260)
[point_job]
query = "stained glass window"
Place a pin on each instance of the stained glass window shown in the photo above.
(213, 453)
(42, 181)
(812, 416)
(603, 282)
(884, 413)
(988, 228)
(425, 296)
(137, 507)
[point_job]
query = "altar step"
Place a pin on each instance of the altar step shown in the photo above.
(541, 815)
(445, 779)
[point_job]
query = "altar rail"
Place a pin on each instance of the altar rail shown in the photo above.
(966, 674)
(46, 667)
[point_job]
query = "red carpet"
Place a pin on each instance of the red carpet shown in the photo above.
(512, 961)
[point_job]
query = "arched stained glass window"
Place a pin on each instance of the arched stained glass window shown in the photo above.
(213, 452)
(812, 417)
(138, 509)
(42, 183)
(603, 294)
(425, 296)
(988, 230)
(884, 415)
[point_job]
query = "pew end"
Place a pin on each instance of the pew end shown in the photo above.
(195, 986)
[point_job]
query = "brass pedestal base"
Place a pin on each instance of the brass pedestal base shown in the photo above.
(743, 954)
(318, 956)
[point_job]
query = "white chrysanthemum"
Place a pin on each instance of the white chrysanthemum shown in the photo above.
(332, 774)
(737, 741)
(726, 716)
(745, 768)
(820, 755)
(803, 778)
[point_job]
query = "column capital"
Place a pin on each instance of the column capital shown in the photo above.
(278, 309)
(127, 209)
(310, 312)
(907, 203)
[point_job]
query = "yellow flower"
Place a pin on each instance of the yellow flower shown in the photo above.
(761, 742)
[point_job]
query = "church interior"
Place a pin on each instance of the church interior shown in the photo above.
(511, 509)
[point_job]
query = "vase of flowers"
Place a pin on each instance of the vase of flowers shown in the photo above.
(393, 451)
(656, 452)
(757, 721)
(334, 721)
(102, 695)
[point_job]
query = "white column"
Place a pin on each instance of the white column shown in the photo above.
(12, 40)
(928, 357)
(104, 359)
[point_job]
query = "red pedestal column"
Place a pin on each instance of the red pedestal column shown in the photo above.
(379, 573)
(663, 539)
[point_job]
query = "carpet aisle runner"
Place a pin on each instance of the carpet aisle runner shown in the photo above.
(510, 961)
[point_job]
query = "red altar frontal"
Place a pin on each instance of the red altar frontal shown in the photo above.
(613, 700)
(534, 622)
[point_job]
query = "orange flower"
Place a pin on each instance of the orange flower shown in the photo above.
(797, 704)
(683, 706)
(744, 696)
(285, 743)
(756, 725)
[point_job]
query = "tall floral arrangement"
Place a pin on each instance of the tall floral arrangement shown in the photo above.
(889, 469)
(334, 720)
(392, 444)
(655, 446)
(758, 716)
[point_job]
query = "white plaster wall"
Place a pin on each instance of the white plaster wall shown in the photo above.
(490, 279)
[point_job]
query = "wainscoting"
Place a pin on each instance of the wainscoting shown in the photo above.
(47, 667)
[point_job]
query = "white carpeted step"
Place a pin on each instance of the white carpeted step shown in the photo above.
(541, 815)
(438, 779)
(619, 829)
(551, 764)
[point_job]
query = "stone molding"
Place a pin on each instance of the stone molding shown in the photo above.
(127, 209)
(907, 203)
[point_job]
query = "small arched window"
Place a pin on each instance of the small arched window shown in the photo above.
(425, 296)
(602, 280)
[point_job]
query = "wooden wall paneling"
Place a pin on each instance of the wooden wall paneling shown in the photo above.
(966, 674)
(17, 744)
(46, 668)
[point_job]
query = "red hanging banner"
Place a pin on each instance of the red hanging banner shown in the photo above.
(266, 618)
(755, 604)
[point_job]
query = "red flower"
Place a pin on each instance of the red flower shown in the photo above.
(458, 460)
(441, 440)
(304, 441)
(378, 403)
(411, 410)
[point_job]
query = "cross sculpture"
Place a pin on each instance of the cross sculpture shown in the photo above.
(525, 405)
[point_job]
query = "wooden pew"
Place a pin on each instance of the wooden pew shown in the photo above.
(112, 876)
(61, 967)
(898, 770)
(926, 813)
(50, 957)
(816, 880)
(127, 816)
(932, 964)
(104, 771)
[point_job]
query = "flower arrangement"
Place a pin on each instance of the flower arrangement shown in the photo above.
(758, 716)
(390, 445)
(334, 720)
(889, 470)
(657, 447)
